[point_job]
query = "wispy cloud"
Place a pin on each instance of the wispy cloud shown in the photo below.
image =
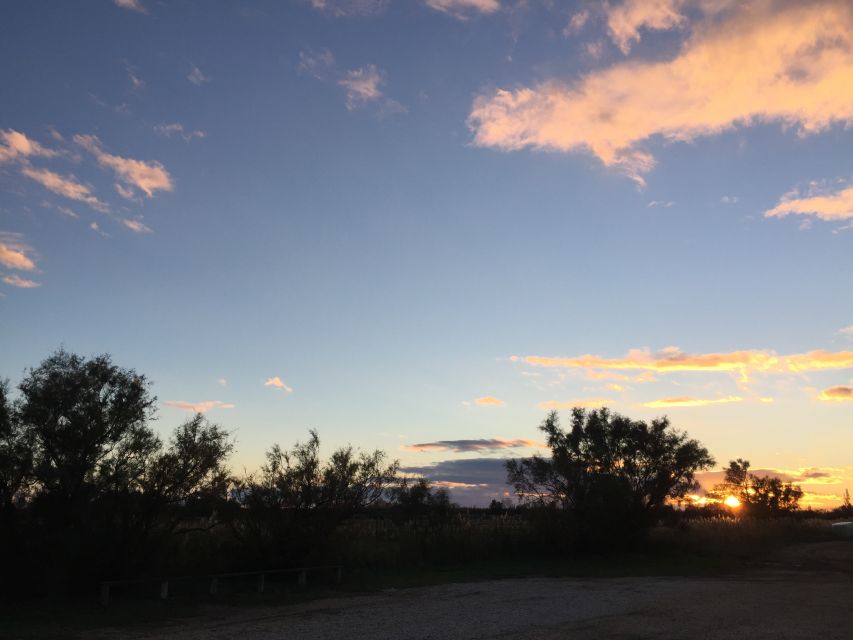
(847, 332)
(198, 407)
(15, 145)
(684, 401)
(837, 394)
(819, 200)
(342, 8)
(571, 404)
(729, 199)
(660, 203)
(625, 20)
(489, 401)
(133, 5)
(197, 77)
(66, 186)
(148, 177)
(21, 283)
(464, 9)
(177, 129)
(15, 253)
(484, 444)
(222, 382)
(278, 383)
(771, 61)
(673, 359)
(137, 226)
(362, 86)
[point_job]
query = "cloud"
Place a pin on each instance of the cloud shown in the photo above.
(278, 383)
(818, 201)
(341, 8)
(684, 401)
(362, 86)
(571, 404)
(729, 199)
(198, 407)
(22, 283)
(133, 5)
(15, 253)
(66, 186)
(485, 477)
(222, 382)
(847, 332)
(489, 401)
(577, 22)
(197, 77)
(136, 226)
(625, 20)
(660, 203)
(177, 129)
(462, 446)
(771, 61)
(672, 359)
(148, 177)
(15, 145)
(464, 9)
(837, 394)
(318, 65)
(94, 227)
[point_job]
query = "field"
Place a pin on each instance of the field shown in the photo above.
(799, 590)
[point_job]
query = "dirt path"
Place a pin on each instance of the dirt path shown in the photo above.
(807, 594)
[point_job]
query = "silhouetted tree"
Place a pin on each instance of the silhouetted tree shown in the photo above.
(15, 457)
(296, 501)
(417, 496)
(609, 474)
(87, 422)
(758, 495)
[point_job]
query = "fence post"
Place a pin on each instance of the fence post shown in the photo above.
(261, 583)
(105, 593)
(303, 578)
(164, 589)
(214, 586)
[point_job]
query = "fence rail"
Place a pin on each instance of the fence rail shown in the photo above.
(302, 580)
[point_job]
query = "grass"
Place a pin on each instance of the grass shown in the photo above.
(693, 548)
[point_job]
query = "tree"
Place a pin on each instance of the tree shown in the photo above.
(758, 495)
(15, 457)
(610, 474)
(86, 421)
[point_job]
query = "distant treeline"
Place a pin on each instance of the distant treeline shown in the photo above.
(88, 491)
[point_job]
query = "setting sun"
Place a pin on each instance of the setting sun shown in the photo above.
(732, 502)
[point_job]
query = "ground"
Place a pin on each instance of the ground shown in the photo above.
(804, 592)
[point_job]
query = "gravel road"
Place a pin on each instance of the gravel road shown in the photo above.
(807, 594)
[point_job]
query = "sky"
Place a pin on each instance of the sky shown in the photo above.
(420, 225)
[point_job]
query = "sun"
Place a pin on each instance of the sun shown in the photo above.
(732, 502)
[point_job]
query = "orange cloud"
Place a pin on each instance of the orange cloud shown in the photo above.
(66, 186)
(770, 61)
(625, 20)
(571, 404)
(16, 145)
(487, 401)
(21, 283)
(690, 402)
(278, 383)
(198, 407)
(818, 202)
(13, 252)
(673, 359)
(148, 177)
(837, 394)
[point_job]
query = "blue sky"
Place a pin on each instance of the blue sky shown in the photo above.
(394, 207)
